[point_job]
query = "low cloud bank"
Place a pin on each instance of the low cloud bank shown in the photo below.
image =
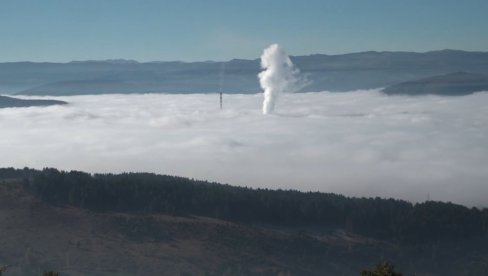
(359, 143)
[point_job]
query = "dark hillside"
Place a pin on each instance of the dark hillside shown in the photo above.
(14, 102)
(146, 224)
(146, 193)
(454, 84)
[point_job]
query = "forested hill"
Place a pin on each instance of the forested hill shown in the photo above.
(147, 193)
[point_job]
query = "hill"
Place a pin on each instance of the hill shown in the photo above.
(454, 84)
(14, 102)
(344, 72)
(146, 224)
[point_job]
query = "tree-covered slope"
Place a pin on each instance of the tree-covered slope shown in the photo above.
(147, 224)
(149, 193)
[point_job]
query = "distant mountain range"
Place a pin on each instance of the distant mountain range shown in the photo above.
(345, 72)
(14, 102)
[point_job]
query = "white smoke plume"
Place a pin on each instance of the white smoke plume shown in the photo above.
(279, 76)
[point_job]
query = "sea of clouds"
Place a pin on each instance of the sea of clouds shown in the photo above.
(360, 143)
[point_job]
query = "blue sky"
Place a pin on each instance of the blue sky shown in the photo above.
(196, 30)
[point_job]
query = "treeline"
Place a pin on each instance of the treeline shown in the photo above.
(150, 193)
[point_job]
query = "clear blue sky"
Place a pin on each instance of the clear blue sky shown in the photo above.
(65, 30)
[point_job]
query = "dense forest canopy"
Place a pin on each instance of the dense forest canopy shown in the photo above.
(150, 193)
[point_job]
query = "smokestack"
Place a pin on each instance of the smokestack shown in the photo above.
(279, 76)
(221, 86)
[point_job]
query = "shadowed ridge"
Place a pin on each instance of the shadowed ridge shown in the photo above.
(453, 84)
(14, 102)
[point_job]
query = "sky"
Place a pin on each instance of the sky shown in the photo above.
(361, 143)
(195, 30)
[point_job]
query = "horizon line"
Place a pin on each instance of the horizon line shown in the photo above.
(134, 61)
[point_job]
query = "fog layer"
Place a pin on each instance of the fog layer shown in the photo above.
(359, 143)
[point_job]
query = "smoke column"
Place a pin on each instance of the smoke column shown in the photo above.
(279, 76)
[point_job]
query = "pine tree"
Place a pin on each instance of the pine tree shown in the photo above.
(381, 269)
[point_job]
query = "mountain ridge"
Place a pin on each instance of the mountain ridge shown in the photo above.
(344, 72)
(453, 84)
(129, 61)
(6, 102)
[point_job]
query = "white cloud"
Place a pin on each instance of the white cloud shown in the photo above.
(358, 143)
